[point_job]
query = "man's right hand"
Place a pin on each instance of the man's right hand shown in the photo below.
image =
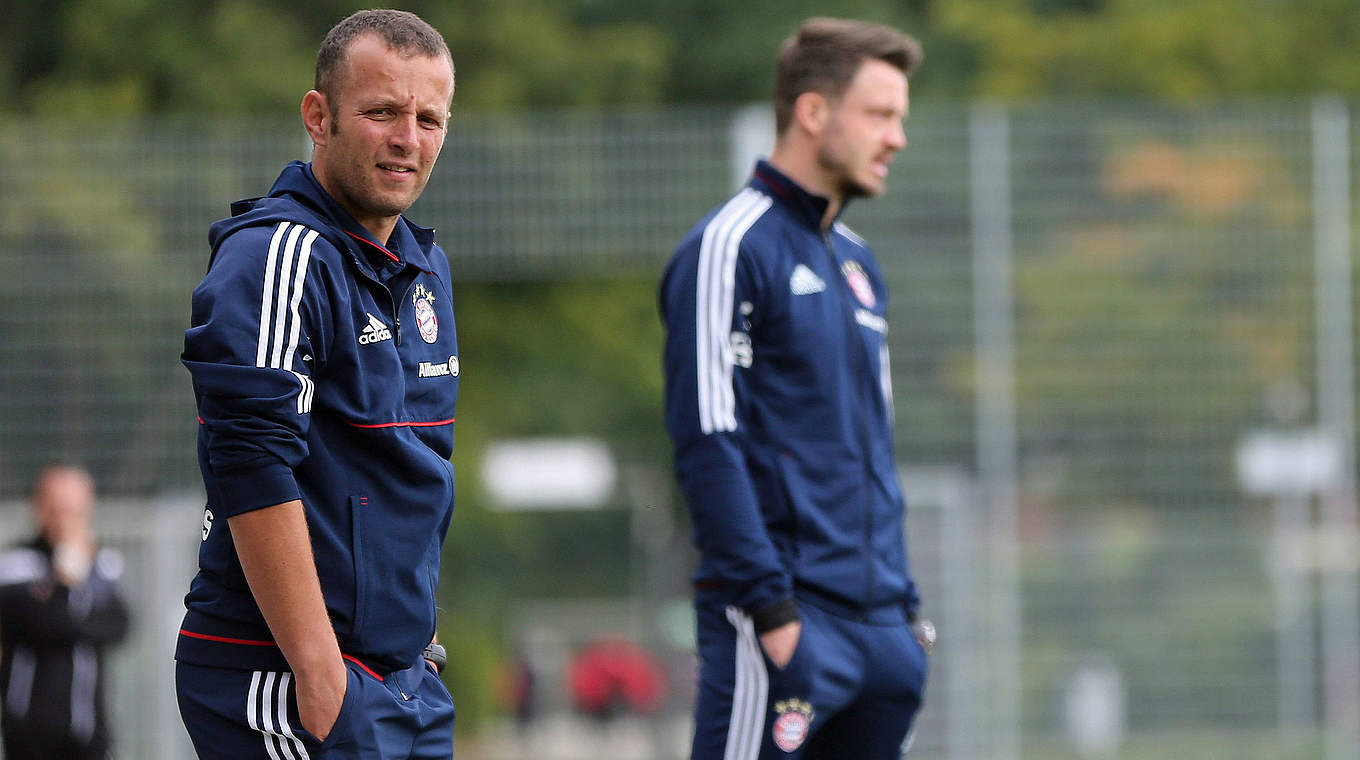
(780, 643)
(319, 699)
(276, 557)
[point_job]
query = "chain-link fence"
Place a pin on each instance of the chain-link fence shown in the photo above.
(1123, 365)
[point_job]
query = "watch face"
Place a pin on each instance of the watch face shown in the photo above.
(435, 653)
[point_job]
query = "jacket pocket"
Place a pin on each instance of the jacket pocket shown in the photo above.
(786, 529)
(360, 538)
(432, 566)
(395, 573)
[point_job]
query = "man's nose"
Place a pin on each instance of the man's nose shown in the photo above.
(897, 137)
(403, 135)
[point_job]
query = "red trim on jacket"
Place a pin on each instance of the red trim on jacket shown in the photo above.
(361, 664)
(390, 255)
(257, 643)
(227, 640)
(436, 423)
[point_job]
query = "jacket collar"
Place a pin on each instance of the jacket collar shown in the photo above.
(806, 206)
(409, 242)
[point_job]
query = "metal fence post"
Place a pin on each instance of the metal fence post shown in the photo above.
(989, 149)
(1336, 416)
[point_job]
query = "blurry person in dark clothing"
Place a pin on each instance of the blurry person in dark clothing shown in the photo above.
(60, 607)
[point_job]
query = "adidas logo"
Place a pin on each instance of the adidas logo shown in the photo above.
(375, 332)
(805, 282)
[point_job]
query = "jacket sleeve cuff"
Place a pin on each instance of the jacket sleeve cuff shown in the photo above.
(769, 618)
(253, 488)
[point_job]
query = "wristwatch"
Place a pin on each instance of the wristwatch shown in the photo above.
(435, 653)
(924, 631)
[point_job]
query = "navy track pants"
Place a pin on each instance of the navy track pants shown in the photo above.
(252, 715)
(852, 689)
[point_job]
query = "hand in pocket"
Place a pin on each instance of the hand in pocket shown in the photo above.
(780, 643)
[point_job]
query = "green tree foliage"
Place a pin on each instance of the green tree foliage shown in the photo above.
(724, 50)
(216, 57)
(97, 58)
(512, 53)
(1191, 49)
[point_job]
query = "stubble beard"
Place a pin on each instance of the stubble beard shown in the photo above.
(362, 189)
(845, 183)
(368, 197)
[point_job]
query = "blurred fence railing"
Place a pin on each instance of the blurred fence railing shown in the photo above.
(1096, 306)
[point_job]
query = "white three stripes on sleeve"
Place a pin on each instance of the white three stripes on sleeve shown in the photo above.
(714, 294)
(267, 712)
(280, 326)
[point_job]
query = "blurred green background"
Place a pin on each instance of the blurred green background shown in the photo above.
(1162, 211)
(133, 58)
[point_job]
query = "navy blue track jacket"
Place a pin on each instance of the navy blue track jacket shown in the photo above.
(325, 368)
(779, 405)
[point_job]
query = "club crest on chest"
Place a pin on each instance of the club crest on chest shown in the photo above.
(426, 321)
(859, 283)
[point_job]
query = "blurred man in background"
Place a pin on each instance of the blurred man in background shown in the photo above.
(60, 607)
(325, 369)
(779, 405)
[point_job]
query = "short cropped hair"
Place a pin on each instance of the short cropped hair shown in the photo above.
(824, 55)
(403, 32)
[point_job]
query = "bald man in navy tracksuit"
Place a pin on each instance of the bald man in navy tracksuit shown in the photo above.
(779, 404)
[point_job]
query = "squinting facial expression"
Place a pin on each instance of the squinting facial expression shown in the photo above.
(387, 130)
(864, 130)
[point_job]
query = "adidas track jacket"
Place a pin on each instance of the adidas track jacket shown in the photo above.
(325, 368)
(779, 405)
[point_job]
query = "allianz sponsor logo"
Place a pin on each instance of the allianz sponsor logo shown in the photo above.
(439, 369)
(374, 332)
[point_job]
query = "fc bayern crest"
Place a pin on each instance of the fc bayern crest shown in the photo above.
(791, 727)
(859, 283)
(425, 316)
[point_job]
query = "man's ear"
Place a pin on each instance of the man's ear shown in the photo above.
(811, 111)
(316, 116)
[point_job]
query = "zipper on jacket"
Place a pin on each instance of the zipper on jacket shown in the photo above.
(391, 298)
(396, 306)
(396, 313)
(867, 452)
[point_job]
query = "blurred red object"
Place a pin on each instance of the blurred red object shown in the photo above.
(612, 675)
